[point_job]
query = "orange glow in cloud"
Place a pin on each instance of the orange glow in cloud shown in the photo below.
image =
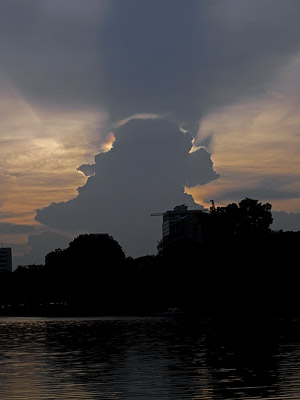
(254, 143)
(39, 152)
(108, 143)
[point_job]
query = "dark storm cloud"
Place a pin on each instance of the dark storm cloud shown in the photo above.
(175, 58)
(144, 172)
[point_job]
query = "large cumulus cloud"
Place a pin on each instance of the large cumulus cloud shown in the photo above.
(181, 60)
(145, 172)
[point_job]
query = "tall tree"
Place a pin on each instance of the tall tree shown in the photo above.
(248, 217)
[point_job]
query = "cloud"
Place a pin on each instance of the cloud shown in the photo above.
(38, 246)
(286, 221)
(7, 228)
(173, 58)
(39, 152)
(145, 172)
(200, 168)
(86, 169)
(70, 71)
(255, 144)
(182, 60)
(52, 50)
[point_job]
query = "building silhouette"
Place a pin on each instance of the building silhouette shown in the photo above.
(5, 259)
(182, 224)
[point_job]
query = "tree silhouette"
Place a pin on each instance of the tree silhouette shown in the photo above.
(240, 268)
(247, 218)
(84, 272)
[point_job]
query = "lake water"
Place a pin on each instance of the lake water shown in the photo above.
(147, 358)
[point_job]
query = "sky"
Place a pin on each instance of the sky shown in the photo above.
(111, 110)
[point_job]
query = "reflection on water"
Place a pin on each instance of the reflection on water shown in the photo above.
(147, 358)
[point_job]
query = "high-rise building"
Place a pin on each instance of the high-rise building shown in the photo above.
(5, 259)
(182, 224)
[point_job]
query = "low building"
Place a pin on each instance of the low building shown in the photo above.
(5, 259)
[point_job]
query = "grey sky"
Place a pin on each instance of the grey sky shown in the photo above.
(175, 58)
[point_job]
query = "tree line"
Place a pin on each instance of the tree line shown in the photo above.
(240, 267)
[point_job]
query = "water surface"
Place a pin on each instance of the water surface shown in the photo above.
(147, 358)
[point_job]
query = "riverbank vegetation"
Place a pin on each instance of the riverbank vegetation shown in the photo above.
(241, 267)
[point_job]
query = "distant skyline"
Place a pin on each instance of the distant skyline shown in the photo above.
(195, 96)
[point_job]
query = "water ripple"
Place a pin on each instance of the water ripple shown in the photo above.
(144, 358)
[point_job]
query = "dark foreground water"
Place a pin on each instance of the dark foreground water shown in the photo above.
(147, 358)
